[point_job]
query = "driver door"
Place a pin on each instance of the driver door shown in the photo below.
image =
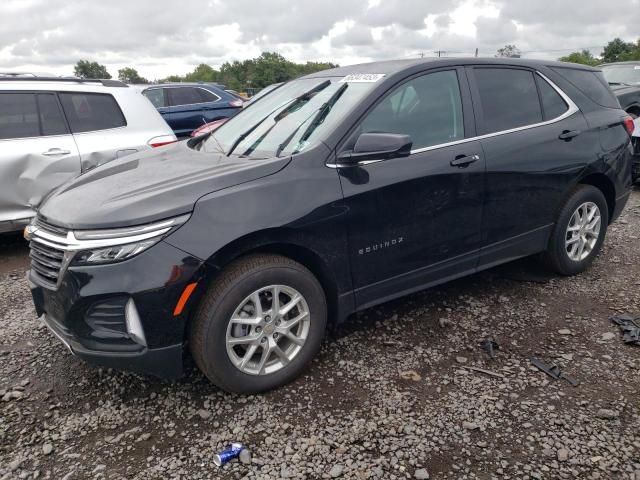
(416, 221)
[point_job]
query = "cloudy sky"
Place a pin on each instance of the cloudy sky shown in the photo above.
(163, 37)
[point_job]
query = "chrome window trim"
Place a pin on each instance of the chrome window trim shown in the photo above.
(572, 109)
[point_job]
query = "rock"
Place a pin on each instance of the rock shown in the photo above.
(204, 414)
(563, 455)
(607, 414)
(608, 336)
(421, 474)
(47, 448)
(444, 322)
(410, 375)
(336, 471)
(564, 331)
(470, 425)
(461, 359)
(245, 456)
(13, 466)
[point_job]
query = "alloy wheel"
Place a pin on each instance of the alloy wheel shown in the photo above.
(267, 330)
(583, 231)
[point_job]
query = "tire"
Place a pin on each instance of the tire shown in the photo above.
(565, 259)
(237, 286)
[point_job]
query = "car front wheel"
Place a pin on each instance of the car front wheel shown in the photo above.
(259, 325)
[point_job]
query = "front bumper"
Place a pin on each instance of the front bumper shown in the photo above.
(90, 310)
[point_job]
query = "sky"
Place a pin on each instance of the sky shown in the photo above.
(164, 37)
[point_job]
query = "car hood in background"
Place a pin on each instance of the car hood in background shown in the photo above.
(143, 188)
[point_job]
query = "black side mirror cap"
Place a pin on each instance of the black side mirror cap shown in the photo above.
(378, 146)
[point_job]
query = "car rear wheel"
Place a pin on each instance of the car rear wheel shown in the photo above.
(579, 231)
(259, 325)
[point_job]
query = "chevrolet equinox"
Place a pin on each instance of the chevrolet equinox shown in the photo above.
(332, 193)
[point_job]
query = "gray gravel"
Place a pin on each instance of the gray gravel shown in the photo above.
(393, 395)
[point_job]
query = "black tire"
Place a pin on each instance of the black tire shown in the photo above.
(556, 255)
(240, 279)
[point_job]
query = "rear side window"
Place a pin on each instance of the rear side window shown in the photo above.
(427, 108)
(156, 97)
(592, 84)
(509, 98)
(552, 103)
(89, 112)
(51, 118)
(18, 115)
(207, 96)
(184, 96)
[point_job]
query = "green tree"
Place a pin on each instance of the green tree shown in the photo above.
(510, 51)
(130, 75)
(202, 73)
(619, 51)
(583, 57)
(88, 69)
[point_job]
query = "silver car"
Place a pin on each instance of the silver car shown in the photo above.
(53, 129)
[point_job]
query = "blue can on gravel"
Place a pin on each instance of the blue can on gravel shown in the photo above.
(228, 454)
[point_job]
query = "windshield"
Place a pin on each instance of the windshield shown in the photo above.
(622, 74)
(288, 120)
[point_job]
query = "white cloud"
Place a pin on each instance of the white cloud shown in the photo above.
(161, 37)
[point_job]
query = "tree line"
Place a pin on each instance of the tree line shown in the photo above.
(254, 73)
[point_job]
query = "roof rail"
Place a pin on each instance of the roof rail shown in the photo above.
(17, 76)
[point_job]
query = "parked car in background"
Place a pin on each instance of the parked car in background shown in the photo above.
(187, 106)
(334, 193)
(238, 95)
(52, 129)
(624, 79)
(211, 126)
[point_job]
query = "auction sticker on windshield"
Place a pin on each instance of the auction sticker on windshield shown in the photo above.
(363, 77)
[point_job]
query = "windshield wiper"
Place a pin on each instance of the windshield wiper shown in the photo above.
(287, 106)
(318, 118)
(619, 83)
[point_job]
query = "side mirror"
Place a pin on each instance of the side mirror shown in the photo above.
(377, 146)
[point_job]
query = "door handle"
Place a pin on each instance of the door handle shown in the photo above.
(54, 152)
(567, 135)
(463, 161)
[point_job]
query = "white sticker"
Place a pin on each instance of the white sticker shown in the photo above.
(637, 67)
(363, 77)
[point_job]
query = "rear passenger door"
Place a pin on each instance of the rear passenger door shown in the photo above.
(531, 138)
(98, 126)
(37, 152)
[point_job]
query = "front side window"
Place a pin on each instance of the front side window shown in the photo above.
(184, 96)
(509, 98)
(89, 112)
(427, 108)
(155, 96)
(18, 115)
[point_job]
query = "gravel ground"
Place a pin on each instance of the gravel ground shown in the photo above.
(390, 396)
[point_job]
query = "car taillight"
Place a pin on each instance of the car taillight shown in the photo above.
(629, 125)
(156, 142)
(236, 103)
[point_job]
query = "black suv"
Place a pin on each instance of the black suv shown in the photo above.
(335, 192)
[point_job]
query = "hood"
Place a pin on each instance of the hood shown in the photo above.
(150, 186)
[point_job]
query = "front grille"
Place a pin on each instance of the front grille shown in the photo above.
(47, 258)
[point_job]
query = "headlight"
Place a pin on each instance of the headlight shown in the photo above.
(95, 247)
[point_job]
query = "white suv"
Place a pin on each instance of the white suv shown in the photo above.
(53, 129)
